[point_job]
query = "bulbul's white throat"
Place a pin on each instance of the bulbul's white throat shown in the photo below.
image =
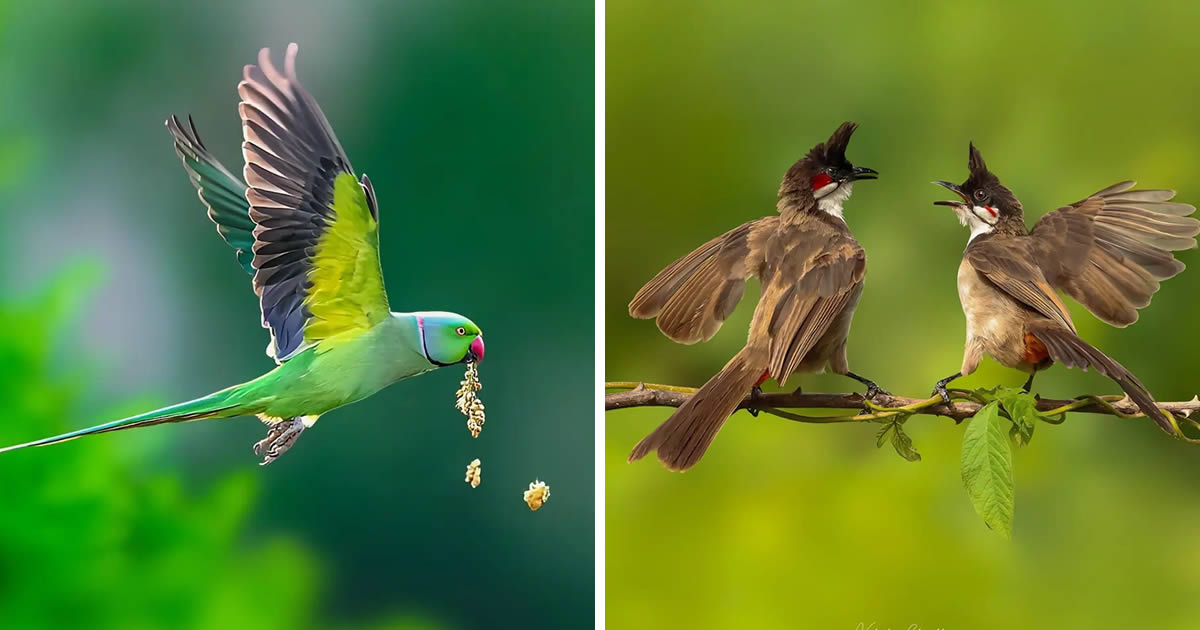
(981, 220)
(831, 196)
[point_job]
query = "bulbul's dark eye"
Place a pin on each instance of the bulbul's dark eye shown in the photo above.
(461, 331)
(980, 194)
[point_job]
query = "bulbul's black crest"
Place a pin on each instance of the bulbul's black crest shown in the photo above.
(983, 188)
(832, 152)
(826, 160)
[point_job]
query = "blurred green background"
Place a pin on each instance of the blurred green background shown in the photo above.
(117, 295)
(786, 525)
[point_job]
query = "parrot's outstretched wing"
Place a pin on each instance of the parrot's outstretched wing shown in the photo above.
(221, 191)
(316, 235)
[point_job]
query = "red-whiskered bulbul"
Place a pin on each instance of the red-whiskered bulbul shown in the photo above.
(811, 272)
(1108, 251)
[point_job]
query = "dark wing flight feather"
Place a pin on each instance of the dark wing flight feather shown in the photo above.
(223, 193)
(316, 235)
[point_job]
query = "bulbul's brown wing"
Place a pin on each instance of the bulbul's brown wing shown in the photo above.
(1111, 250)
(1009, 263)
(692, 296)
(809, 277)
(810, 272)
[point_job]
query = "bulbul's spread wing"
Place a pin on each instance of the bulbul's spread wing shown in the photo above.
(316, 234)
(1010, 264)
(812, 272)
(1110, 251)
(692, 296)
(222, 192)
(809, 270)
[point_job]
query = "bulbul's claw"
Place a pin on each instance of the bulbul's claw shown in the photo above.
(939, 388)
(755, 392)
(873, 390)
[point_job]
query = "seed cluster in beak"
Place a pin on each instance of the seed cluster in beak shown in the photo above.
(468, 403)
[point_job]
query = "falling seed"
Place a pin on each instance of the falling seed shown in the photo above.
(473, 473)
(537, 495)
(468, 402)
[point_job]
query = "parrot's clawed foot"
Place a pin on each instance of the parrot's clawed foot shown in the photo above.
(280, 438)
(755, 392)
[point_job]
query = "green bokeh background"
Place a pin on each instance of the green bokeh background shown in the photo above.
(475, 122)
(787, 525)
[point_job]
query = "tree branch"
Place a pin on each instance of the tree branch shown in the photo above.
(964, 404)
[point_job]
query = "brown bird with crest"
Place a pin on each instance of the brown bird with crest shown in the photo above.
(811, 272)
(1108, 251)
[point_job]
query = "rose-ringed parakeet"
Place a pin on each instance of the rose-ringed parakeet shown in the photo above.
(307, 229)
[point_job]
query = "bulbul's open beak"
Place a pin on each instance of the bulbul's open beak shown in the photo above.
(958, 191)
(475, 352)
(862, 172)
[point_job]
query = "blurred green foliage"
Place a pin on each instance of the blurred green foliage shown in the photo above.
(475, 123)
(101, 544)
(806, 526)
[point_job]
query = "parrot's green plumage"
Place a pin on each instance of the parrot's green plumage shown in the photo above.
(307, 229)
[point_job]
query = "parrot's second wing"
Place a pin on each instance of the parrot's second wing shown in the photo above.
(316, 240)
(221, 191)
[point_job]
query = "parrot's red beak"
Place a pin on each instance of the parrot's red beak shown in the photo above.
(476, 351)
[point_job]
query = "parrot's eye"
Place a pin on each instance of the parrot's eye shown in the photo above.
(461, 331)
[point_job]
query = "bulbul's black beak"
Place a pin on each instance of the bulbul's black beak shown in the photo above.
(862, 172)
(955, 188)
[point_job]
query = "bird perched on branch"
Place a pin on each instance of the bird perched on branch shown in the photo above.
(1108, 251)
(307, 229)
(811, 271)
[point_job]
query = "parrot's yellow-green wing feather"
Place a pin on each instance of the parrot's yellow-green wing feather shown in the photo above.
(316, 234)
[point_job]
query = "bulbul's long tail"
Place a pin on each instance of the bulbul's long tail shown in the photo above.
(1067, 348)
(216, 405)
(682, 440)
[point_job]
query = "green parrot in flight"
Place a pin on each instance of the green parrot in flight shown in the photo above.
(307, 229)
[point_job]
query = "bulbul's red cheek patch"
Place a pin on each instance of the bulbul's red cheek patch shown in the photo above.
(821, 180)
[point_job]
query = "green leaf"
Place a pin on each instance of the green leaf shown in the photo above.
(987, 468)
(987, 395)
(1022, 410)
(903, 444)
(881, 436)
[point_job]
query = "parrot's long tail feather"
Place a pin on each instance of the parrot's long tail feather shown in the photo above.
(216, 405)
(683, 438)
